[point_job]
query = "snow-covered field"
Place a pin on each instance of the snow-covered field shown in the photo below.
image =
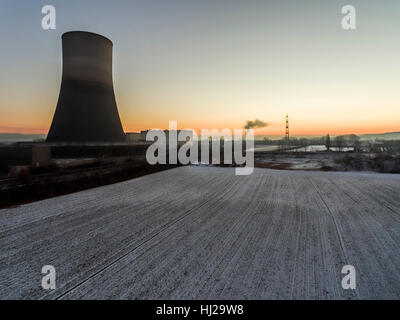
(202, 232)
(319, 148)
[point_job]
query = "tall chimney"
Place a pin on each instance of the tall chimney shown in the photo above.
(86, 110)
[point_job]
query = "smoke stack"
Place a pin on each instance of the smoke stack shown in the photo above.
(86, 110)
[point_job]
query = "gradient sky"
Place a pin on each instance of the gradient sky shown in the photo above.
(214, 63)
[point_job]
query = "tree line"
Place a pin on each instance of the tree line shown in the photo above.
(339, 143)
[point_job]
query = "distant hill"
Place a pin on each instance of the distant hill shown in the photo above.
(19, 137)
(381, 136)
(368, 136)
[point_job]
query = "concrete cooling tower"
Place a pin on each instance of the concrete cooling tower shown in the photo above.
(86, 110)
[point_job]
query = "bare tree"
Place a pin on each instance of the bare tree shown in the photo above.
(339, 142)
(354, 141)
(328, 142)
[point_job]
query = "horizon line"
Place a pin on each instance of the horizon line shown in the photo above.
(256, 135)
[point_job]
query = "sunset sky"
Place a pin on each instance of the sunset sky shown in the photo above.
(214, 63)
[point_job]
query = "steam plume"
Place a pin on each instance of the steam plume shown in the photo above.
(255, 124)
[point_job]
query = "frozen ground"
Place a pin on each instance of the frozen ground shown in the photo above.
(319, 148)
(335, 161)
(202, 232)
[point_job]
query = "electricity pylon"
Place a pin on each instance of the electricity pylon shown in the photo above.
(287, 139)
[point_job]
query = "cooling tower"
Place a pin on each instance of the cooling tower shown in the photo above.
(86, 110)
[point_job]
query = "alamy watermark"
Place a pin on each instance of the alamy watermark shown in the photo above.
(348, 21)
(349, 18)
(236, 149)
(349, 280)
(49, 20)
(49, 280)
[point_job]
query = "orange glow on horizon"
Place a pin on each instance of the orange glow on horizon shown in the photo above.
(298, 127)
(294, 131)
(276, 130)
(23, 130)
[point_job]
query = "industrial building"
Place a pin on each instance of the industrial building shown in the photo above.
(86, 110)
(134, 137)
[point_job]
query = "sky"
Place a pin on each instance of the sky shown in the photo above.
(214, 63)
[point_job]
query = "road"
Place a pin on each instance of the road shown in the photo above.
(204, 233)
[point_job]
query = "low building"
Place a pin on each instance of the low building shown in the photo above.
(132, 137)
(41, 156)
